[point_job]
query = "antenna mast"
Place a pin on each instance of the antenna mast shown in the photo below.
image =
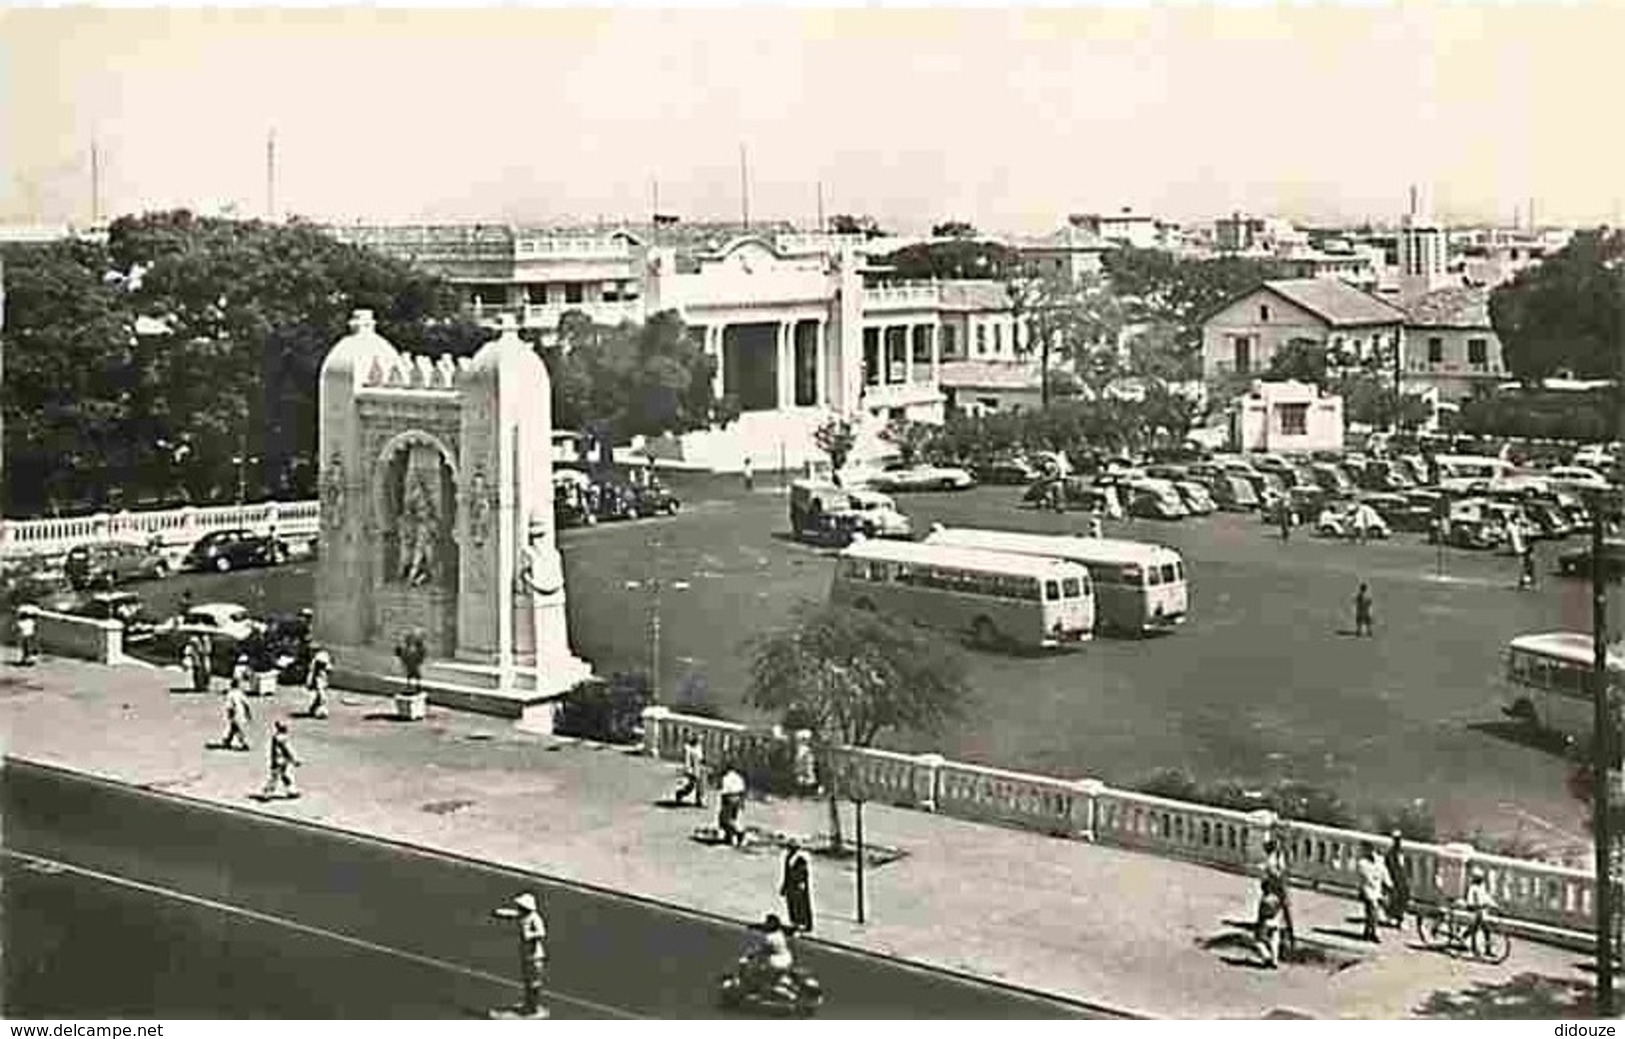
(270, 175)
(744, 187)
(95, 183)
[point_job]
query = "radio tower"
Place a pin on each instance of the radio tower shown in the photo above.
(270, 176)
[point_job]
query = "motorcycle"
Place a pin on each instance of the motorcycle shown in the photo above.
(795, 993)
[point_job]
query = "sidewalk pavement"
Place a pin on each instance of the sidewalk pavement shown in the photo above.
(1120, 929)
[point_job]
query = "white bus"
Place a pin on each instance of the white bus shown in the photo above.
(995, 598)
(1549, 676)
(1139, 587)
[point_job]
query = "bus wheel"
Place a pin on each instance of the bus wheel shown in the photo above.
(984, 634)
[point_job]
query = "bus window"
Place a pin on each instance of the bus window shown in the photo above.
(1071, 588)
(1052, 590)
(1131, 575)
(1167, 573)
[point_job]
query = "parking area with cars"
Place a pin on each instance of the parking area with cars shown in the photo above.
(1261, 683)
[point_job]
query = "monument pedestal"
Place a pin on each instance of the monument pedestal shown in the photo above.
(529, 701)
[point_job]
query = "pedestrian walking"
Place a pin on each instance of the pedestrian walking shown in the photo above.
(1374, 887)
(196, 668)
(1399, 878)
(1286, 519)
(1526, 572)
(693, 772)
(1269, 930)
(525, 910)
(796, 886)
(1362, 611)
(749, 474)
(242, 675)
(1057, 494)
(731, 797)
(317, 679)
(1095, 528)
(27, 637)
(238, 716)
(280, 782)
(1275, 894)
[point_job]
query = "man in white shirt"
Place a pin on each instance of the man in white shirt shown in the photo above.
(532, 947)
(1374, 885)
(732, 796)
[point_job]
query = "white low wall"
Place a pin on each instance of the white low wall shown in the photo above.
(1530, 892)
(177, 528)
(80, 637)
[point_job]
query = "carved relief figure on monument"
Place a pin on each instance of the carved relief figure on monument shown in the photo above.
(333, 492)
(479, 507)
(540, 569)
(419, 524)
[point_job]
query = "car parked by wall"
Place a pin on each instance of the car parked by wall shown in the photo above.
(225, 550)
(106, 564)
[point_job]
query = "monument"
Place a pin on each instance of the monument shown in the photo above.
(436, 487)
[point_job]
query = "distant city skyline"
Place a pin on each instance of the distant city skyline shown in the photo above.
(1007, 119)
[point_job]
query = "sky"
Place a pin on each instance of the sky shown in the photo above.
(1008, 118)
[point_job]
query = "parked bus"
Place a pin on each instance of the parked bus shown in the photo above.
(1549, 676)
(994, 598)
(1139, 587)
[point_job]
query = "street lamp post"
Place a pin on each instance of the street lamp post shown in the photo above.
(654, 619)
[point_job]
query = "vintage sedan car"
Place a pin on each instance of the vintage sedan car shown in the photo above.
(1399, 512)
(225, 550)
(1009, 470)
(921, 478)
(105, 564)
(1351, 520)
(1078, 492)
(1576, 479)
(1196, 497)
(229, 627)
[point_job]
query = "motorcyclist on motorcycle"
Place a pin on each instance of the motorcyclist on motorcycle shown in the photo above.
(766, 964)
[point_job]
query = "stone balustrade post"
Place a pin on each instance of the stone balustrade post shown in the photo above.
(653, 718)
(1261, 827)
(932, 764)
(1086, 808)
(1454, 862)
(100, 526)
(5, 536)
(189, 534)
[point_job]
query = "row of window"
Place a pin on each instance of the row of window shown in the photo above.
(965, 582)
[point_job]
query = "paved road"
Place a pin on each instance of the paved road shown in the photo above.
(1260, 686)
(122, 902)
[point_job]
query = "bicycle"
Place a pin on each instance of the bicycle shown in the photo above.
(1449, 928)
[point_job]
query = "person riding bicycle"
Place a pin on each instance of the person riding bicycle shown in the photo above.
(767, 962)
(1479, 902)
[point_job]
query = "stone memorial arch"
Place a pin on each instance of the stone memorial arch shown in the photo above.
(436, 488)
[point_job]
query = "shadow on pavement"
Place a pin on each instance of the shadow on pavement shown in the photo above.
(1524, 996)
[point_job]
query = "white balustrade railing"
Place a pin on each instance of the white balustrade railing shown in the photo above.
(1526, 891)
(174, 527)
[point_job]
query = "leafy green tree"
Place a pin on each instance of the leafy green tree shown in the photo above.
(953, 229)
(952, 260)
(1302, 360)
(1566, 314)
(846, 223)
(1078, 322)
(836, 438)
(911, 439)
(630, 380)
(850, 675)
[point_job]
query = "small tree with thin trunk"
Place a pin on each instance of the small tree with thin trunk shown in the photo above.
(850, 675)
(836, 438)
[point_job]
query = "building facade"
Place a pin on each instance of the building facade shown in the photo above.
(1243, 336)
(1287, 418)
(1450, 345)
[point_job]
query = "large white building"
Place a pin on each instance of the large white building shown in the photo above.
(802, 327)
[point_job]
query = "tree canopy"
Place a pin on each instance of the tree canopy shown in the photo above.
(954, 229)
(623, 381)
(846, 223)
(247, 312)
(854, 674)
(953, 260)
(1567, 313)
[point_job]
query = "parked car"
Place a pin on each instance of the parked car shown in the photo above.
(921, 478)
(824, 514)
(1350, 520)
(1196, 497)
(1399, 512)
(1550, 522)
(1234, 494)
(231, 629)
(1577, 562)
(1331, 477)
(651, 497)
(1271, 464)
(1008, 470)
(1165, 471)
(105, 564)
(125, 607)
(1078, 492)
(1576, 479)
(1155, 499)
(225, 550)
(570, 504)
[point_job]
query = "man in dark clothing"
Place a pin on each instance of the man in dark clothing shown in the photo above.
(1362, 610)
(1399, 876)
(796, 887)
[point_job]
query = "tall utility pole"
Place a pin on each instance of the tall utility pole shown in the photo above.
(1602, 764)
(820, 207)
(270, 175)
(95, 183)
(744, 187)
